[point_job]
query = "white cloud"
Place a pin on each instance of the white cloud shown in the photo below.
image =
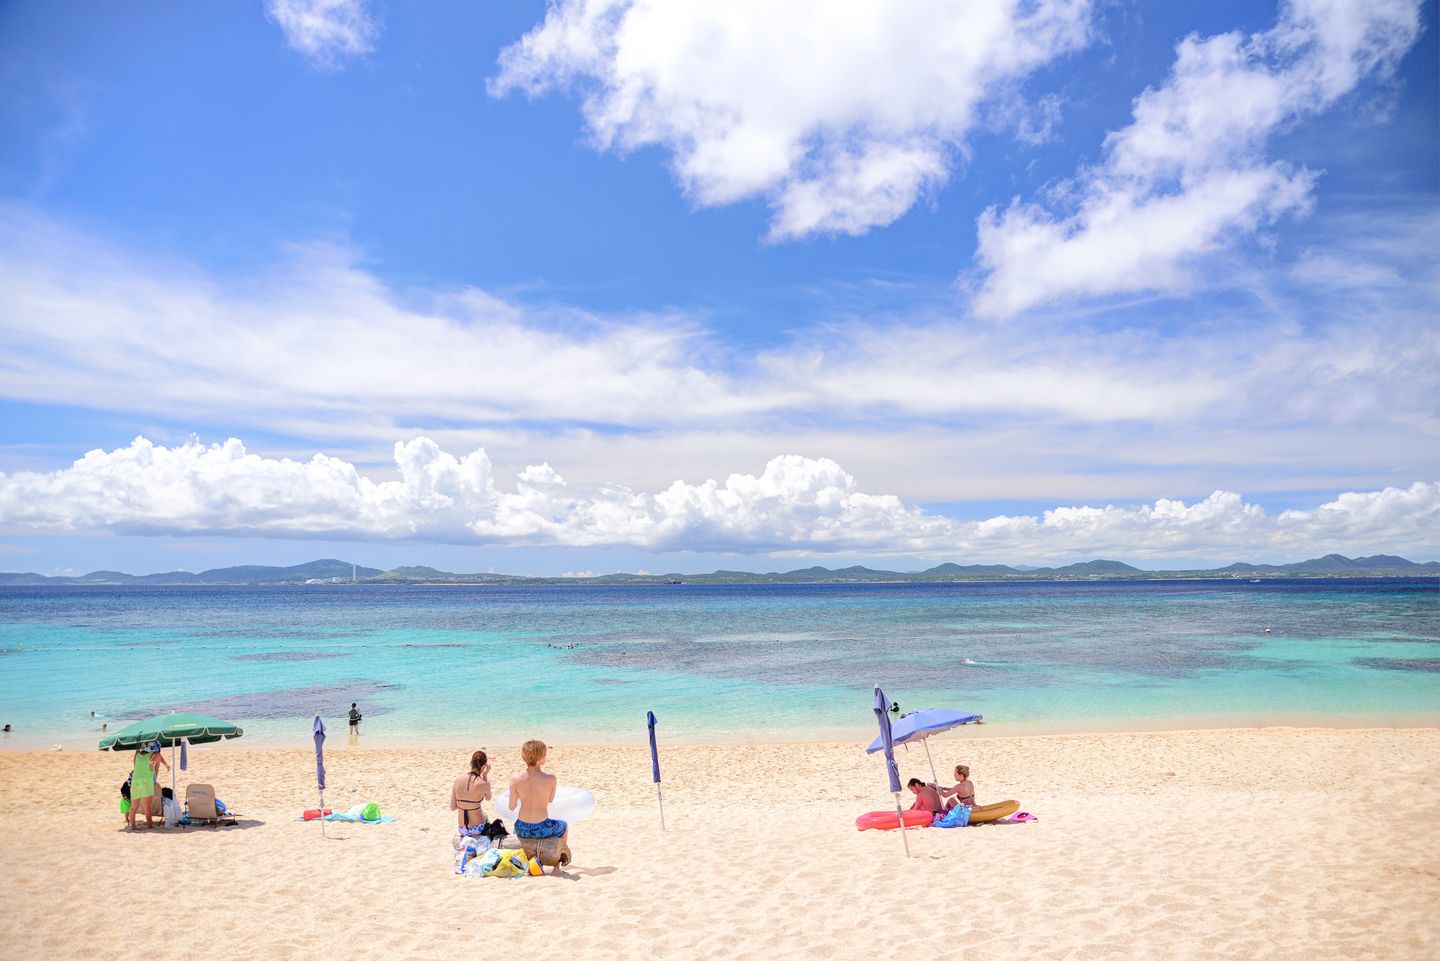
(316, 351)
(795, 505)
(82, 321)
(328, 32)
(1190, 172)
(840, 114)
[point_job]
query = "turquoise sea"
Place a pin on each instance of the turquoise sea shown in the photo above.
(479, 665)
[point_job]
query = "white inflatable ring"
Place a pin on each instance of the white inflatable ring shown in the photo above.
(570, 804)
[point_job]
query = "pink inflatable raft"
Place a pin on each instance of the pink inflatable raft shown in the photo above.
(890, 820)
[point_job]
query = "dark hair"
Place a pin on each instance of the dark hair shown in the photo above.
(915, 782)
(477, 762)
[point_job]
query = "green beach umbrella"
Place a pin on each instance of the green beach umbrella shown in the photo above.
(169, 730)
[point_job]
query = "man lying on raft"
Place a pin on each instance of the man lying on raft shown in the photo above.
(926, 797)
(534, 790)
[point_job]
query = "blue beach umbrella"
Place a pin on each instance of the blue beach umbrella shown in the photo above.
(919, 725)
(655, 765)
(887, 744)
(320, 766)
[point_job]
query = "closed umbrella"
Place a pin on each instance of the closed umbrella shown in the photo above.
(320, 766)
(882, 708)
(655, 765)
(919, 725)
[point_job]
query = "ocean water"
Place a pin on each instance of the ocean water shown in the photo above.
(480, 665)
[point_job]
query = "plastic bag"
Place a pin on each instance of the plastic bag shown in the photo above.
(468, 851)
(956, 817)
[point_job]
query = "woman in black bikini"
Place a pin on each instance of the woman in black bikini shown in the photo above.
(963, 792)
(468, 793)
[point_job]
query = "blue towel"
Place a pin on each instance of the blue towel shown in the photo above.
(356, 819)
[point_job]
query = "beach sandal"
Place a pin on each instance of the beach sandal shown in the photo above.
(1022, 817)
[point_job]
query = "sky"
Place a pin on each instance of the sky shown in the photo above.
(604, 285)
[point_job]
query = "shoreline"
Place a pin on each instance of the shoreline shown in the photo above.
(759, 580)
(338, 739)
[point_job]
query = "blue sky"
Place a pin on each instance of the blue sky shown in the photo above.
(967, 264)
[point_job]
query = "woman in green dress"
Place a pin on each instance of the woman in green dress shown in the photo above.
(142, 782)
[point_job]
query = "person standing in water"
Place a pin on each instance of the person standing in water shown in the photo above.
(354, 719)
(534, 790)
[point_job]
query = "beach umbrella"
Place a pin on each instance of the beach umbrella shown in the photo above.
(169, 730)
(655, 765)
(882, 708)
(919, 725)
(320, 766)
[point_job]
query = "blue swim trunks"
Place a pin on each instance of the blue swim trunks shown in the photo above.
(548, 828)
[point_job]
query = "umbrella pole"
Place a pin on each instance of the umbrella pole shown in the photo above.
(901, 816)
(934, 777)
(172, 782)
(661, 799)
(322, 812)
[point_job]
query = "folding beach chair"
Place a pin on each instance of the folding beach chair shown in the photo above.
(200, 806)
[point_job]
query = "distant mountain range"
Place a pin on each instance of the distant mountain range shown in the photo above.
(249, 574)
(333, 571)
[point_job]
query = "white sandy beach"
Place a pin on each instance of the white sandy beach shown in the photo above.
(1272, 843)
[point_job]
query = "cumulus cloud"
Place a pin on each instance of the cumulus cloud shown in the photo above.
(840, 113)
(795, 505)
(328, 32)
(1190, 173)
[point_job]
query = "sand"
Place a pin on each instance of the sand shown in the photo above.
(1265, 843)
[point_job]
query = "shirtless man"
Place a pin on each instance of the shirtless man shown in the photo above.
(535, 790)
(926, 797)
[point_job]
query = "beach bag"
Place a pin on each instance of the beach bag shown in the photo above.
(509, 863)
(172, 812)
(956, 817)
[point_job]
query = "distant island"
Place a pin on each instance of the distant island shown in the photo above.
(331, 571)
